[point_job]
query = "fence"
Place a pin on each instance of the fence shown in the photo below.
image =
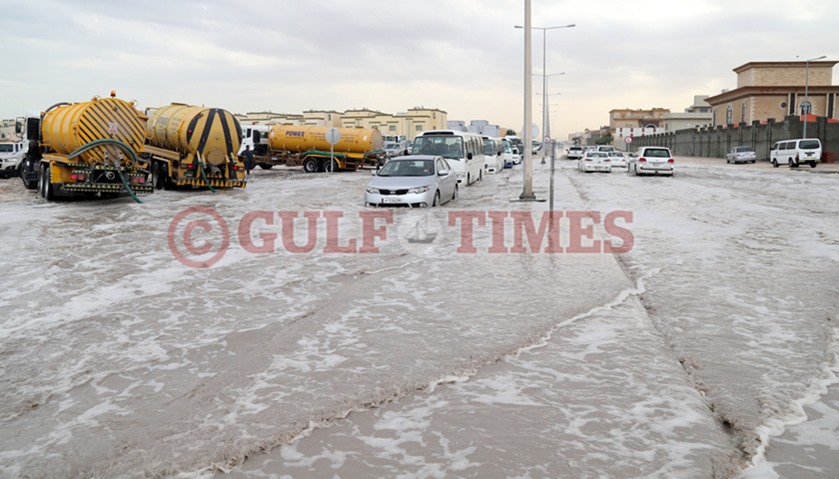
(715, 142)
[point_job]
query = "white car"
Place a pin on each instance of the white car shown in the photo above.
(574, 153)
(618, 159)
(516, 155)
(651, 160)
(413, 181)
(595, 161)
(738, 154)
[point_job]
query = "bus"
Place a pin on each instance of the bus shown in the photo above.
(463, 151)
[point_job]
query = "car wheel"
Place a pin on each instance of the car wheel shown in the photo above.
(753, 161)
(310, 165)
(812, 164)
(436, 199)
(727, 160)
(775, 163)
(455, 193)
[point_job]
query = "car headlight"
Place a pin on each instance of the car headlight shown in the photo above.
(419, 189)
(372, 191)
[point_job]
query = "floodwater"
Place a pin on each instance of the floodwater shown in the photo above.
(426, 343)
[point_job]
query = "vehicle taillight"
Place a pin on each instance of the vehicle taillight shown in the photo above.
(671, 160)
(642, 160)
(77, 177)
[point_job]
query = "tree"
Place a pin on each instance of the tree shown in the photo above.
(510, 133)
(605, 139)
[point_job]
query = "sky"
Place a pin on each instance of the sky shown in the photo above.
(463, 57)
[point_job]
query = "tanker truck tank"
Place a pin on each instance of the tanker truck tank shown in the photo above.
(309, 146)
(87, 148)
(194, 146)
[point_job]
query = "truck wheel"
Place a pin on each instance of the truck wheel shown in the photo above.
(48, 191)
(165, 181)
(266, 166)
(310, 165)
(155, 176)
(330, 166)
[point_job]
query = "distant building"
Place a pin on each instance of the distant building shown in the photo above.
(456, 125)
(775, 90)
(407, 124)
(696, 115)
(481, 127)
(627, 122)
(7, 130)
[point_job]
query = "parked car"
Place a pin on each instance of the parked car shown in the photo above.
(516, 155)
(605, 148)
(618, 159)
(415, 180)
(574, 153)
(651, 160)
(795, 152)
(595, 161)
(507, 153)
(741, 154)
(393, 148)
(11, 153)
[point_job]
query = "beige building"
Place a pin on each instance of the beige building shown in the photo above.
(409, 124)
(775, 90)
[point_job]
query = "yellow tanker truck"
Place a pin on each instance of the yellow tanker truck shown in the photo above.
(85, 149)
(194, 146)
(308, 146)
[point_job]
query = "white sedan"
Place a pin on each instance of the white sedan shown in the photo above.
(595, 161)
(618, 159)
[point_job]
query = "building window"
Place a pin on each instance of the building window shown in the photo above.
(729, 115)
(743, 112)
(418, 128)
(391, 128)
(714, 117)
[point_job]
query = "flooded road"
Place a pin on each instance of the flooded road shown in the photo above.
(326, 339)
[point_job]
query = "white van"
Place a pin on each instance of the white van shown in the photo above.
(10, 155)
(463, 151)
(493, 163)
(795, 152)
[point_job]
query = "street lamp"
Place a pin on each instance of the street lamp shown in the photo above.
(544, 67)
(545, 131)
(806, 109)
(527, 194)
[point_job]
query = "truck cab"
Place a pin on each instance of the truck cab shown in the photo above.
(28, 131)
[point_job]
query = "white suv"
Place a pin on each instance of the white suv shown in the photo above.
(574, 153)
(795, 152)
(651, 160)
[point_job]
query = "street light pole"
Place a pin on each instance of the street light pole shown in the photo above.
(807, 91)
(527, 190)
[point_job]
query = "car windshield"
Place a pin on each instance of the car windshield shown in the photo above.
(407, 168)
(809, 144)
(657, 153)
(6, 148)
(744, 149)
(445, 146)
